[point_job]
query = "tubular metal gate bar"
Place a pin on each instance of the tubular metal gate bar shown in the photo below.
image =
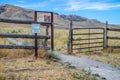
(87, 45)
(104, 40)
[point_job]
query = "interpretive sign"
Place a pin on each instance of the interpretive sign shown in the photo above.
(35, 28)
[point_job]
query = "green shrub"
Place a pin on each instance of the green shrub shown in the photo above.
(2, 78)
(76, 75)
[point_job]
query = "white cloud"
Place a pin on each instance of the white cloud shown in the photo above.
(90, 4)
(21, 1)
(56, 9)
(33, 5)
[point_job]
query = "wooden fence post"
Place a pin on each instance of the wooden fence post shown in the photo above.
(70, 39)
(52, 32)
(35, 16)
(105, 36)
(36, 46)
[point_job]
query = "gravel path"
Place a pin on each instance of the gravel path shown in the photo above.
(104, 70)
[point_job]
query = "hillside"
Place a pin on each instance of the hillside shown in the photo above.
(61, 21)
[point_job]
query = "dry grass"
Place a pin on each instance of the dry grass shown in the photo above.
(19, 64)
(29, 69)
(61, 39)
(15, 53)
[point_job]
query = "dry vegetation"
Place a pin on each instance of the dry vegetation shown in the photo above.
(40, 69)
(110, 56)
(19, 64)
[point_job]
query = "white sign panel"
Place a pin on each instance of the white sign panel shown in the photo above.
(35, 28)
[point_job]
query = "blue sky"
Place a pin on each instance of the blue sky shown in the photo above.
(101, 10)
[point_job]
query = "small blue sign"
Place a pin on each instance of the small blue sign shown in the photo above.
(35, 28)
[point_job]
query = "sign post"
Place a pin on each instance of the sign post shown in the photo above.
(36, 30)
(36, 46)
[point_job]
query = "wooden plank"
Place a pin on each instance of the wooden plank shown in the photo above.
(22, 21)
(24, 36)
(16, 47)
(117, 38)
(87, 33)
(111, 29)
(44, 11)
(21, 47)
(87, 43)
(113, 46)
(86, 39)
(87, 47)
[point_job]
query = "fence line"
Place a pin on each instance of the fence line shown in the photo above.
(35, 36)
(105, 38)
(112, 38)
(22, 21)
(24, 36)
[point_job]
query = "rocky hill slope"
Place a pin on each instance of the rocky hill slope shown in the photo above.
(61, 21)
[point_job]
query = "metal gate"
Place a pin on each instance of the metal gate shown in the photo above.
(85, 39)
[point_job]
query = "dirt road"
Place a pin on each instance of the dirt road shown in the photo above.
(104, 70)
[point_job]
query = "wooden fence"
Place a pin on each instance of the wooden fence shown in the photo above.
(35, 36)
(103, 40)
(108, 37)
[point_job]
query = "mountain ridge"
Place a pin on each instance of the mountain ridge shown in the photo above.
(60, 20)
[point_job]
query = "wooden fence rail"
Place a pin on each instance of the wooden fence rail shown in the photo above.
(21, 47)
(111, 29)
(35, 37)
(22, 21)
(24, 36)
(111, 37)
(113, 46)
